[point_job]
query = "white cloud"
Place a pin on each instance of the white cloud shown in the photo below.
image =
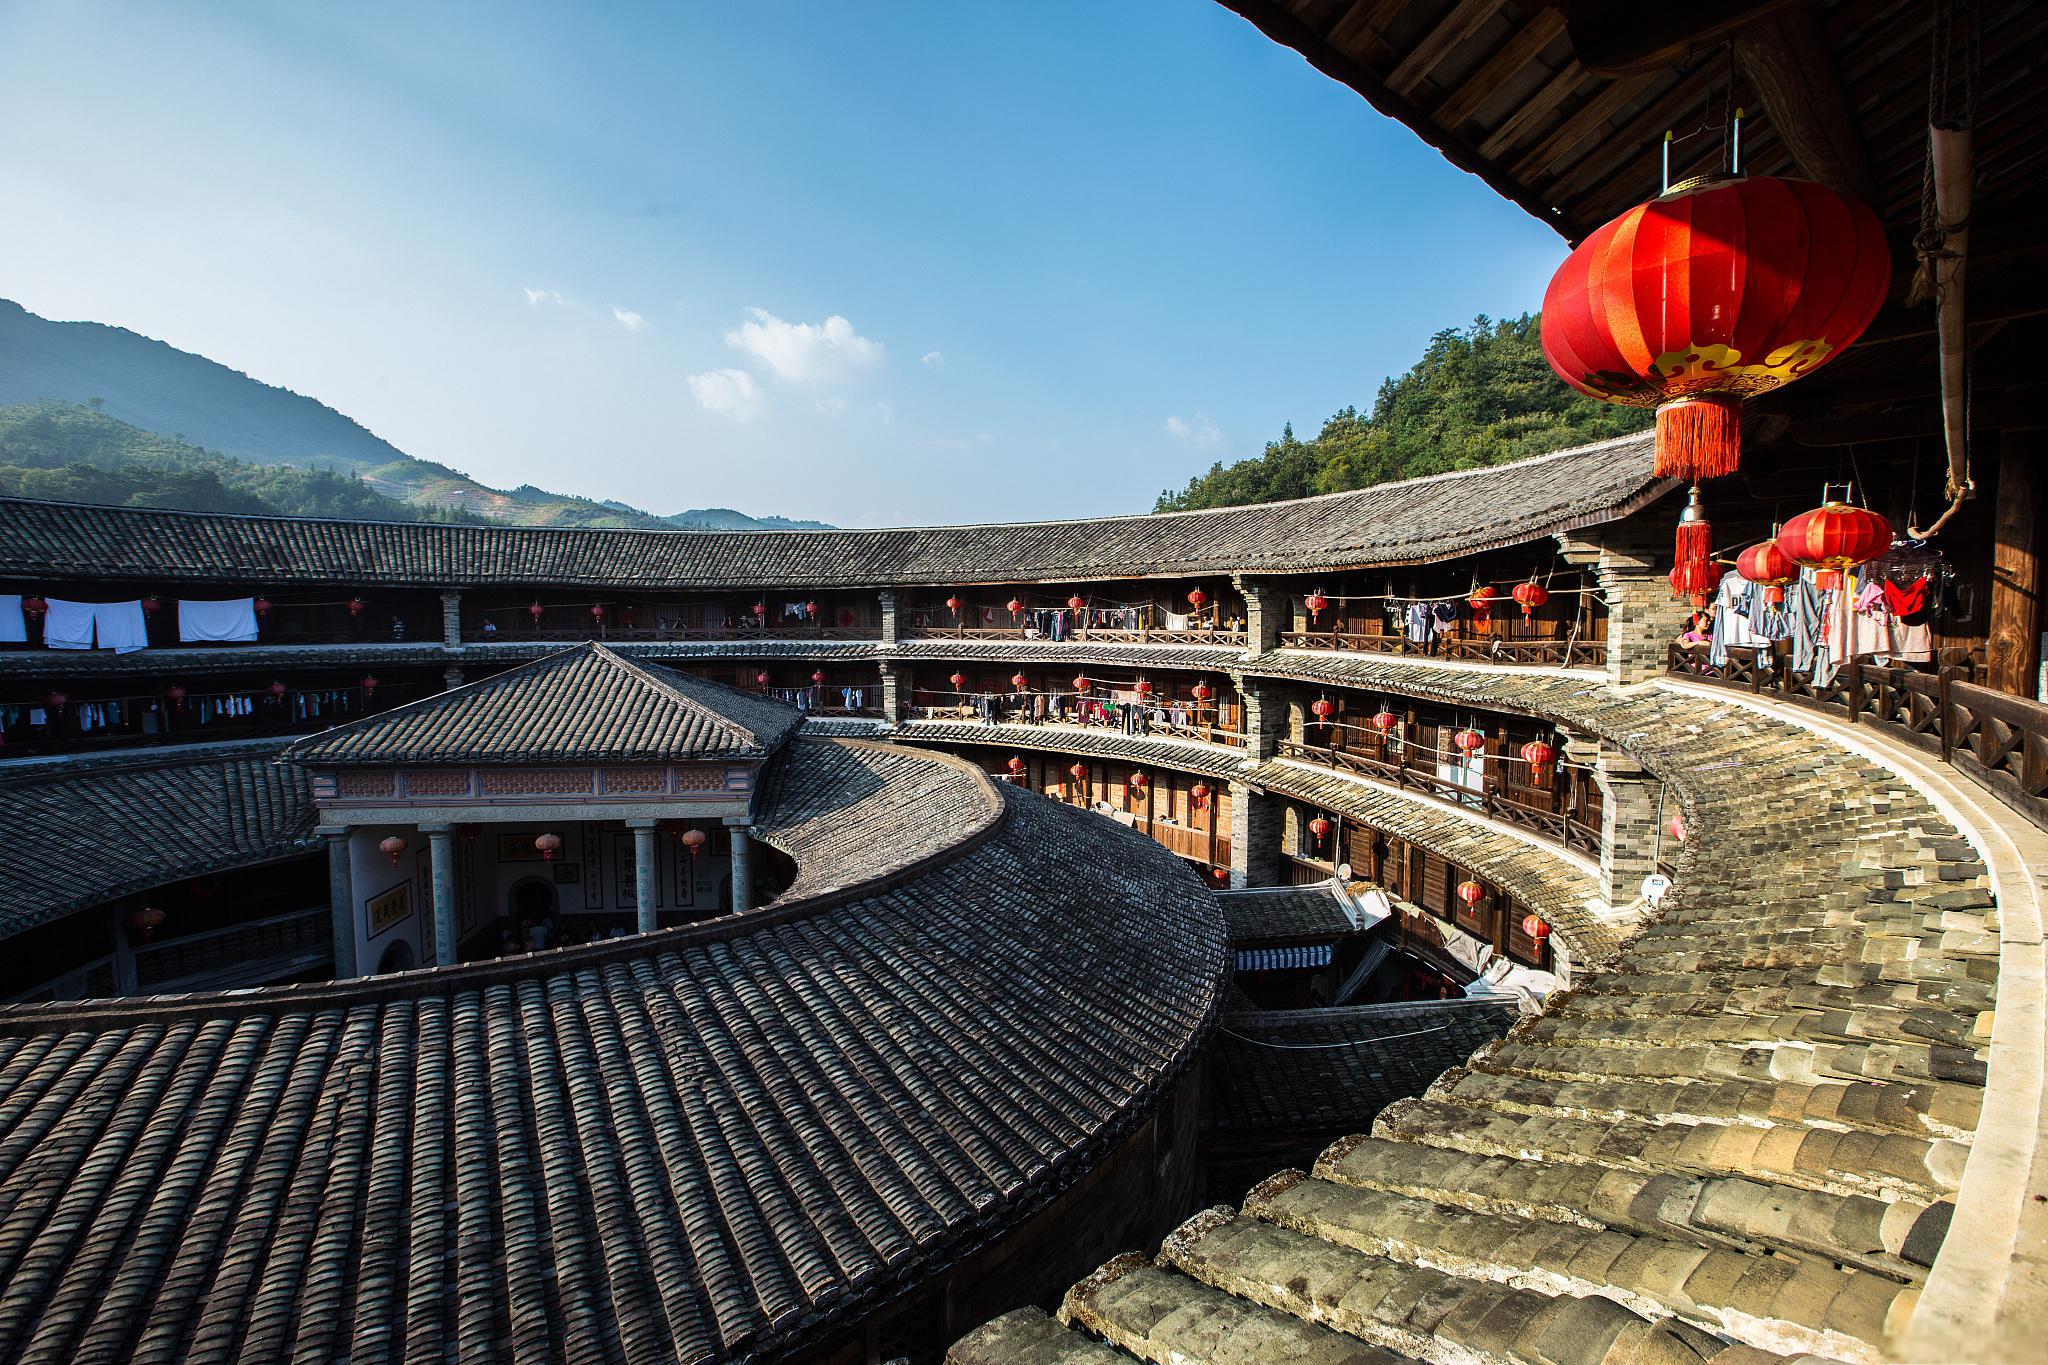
(536, 297)
(831, 405)
(1197, 433)
(729, 393)
(887, 412)
(806, 352)
(630, 320)
(935, 359)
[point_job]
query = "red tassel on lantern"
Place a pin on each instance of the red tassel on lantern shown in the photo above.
(1694, 571)
(1698, 438)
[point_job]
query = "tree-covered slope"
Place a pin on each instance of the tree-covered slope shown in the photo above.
(198, 404)
(1479, 396)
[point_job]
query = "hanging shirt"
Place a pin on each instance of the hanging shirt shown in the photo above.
(1421, 623)
(1731, 618)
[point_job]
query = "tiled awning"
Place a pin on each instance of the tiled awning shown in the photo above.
(1284, 959)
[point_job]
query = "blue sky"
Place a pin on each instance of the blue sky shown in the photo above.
(873, 263)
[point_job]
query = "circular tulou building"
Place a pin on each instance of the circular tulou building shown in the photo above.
(1492, 918)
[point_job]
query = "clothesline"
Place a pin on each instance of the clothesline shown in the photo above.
(1464, 596)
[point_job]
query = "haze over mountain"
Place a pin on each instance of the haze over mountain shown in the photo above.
(81, 399)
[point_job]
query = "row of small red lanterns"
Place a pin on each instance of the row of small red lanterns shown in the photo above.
(393, 846)
(1529, 596)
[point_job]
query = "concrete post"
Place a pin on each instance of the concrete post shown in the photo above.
(1254, 837)
(441, 844)
(341, 899)
(888, 598)
(451, 618)
(1631, 830)
(742, 870)
(1265, 612)
(892, 695)
(646, 871)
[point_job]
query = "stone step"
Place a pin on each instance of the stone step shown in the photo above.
(1881, 1167)
(1159, 1315)
(1897, 1239)
(1028, 1336)
(1775, 1303)
(1424, 1313)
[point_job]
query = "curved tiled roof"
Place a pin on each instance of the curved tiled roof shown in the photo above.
(1742, 1140)
(1392, 523)
(703, 1144)
(84, 831)
(584, 704)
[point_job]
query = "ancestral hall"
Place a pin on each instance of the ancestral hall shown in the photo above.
(1581, 909)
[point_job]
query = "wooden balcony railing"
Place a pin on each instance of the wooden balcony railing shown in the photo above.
(658, 633)
(1492, 649)
(1154, 728)
(1999, 740)
(238, 954)
(1081, 636)
(1494, 802)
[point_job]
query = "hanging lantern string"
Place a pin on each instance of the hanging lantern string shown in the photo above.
(1444, 749)
(1095, 685)
(1454, 596)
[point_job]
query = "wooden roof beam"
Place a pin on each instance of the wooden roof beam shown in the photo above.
(1626, 38)
(1454, 28)
(1787, 61)
(1542, 28)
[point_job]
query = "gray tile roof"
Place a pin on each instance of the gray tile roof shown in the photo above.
(77, 833)
(1405, 522)
(713, 1143)
(584, 704)
(1337, 1068)
(1742, 1138)
(1285, 914)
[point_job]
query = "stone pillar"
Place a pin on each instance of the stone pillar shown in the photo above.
(1255, 820)
(1631, 564)
(646, 871)
(341, 899)
(892, 695)
(1631, 830)
(441, 844)
(451, 618)
(1266, 608)
(888, 598)
(451, 677)
(742, 870)
(1265, 716)
(124, 952)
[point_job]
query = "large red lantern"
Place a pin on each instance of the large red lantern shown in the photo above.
(1471, 892)
(1535, 928)
(391, 846)
(1469, 741)
(1315, 602)
(1323, 708)
(1481, 602)
(1196, 597)
(1717, 290)
(1836, 536)
(1539, 755)
(1320, 828)
(1385, 721)
(548, 846)
(1531, 595)
(1769, 567)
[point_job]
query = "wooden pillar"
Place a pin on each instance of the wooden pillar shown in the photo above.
(2013, 647)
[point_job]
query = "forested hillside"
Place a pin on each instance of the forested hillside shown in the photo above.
(199, 406)
(1480, 395)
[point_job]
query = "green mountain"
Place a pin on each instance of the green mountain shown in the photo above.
(1480, 395)
(233, 421)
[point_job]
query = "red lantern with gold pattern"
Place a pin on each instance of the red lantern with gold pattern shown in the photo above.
(1769, 567)
(1471, 892)
(1716, 291)
(1836, 536)
(1531, 595)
